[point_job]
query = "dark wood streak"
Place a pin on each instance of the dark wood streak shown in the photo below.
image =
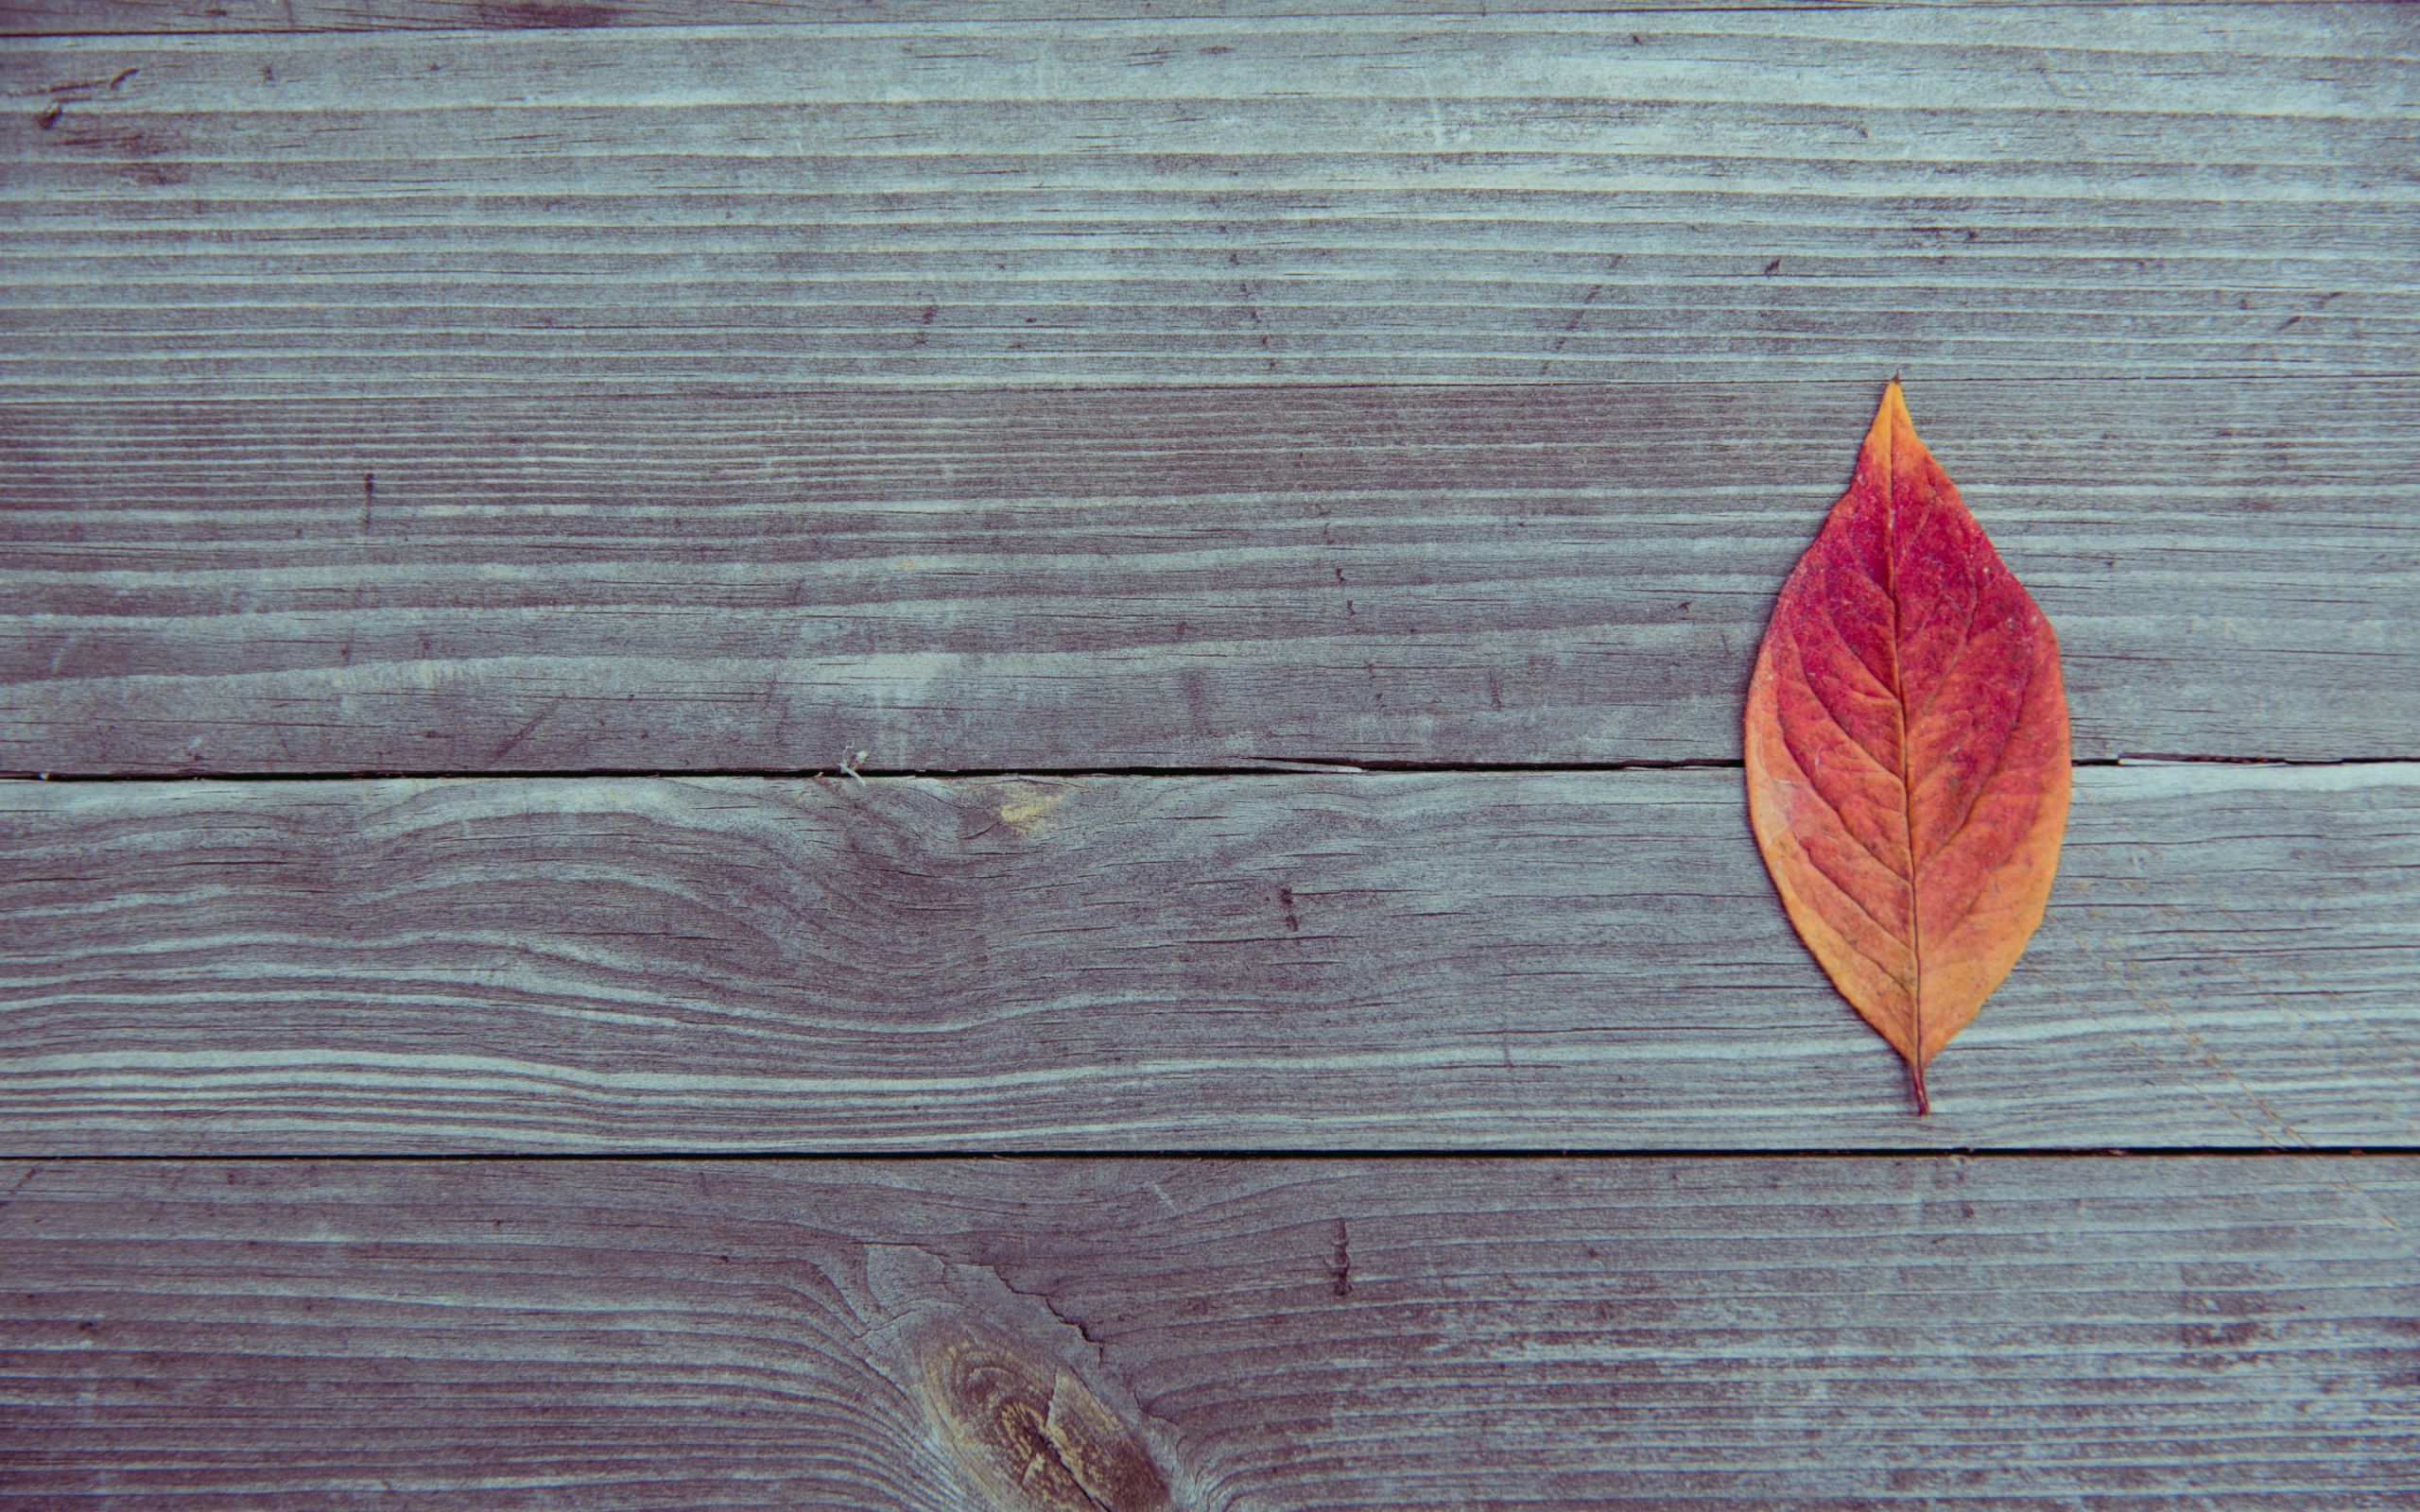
(1472, 960)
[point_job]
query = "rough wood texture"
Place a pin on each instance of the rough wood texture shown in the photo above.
(2232, 957)
(134, 17)
(2045, 1333)
(130, 17)
(2133, 193)
(954, 581)
(946, 389)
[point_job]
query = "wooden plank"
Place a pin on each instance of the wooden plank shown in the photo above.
(2133, 192)
(135, 17)
(1143, 579)
(1472, 961)
(2142, 1333)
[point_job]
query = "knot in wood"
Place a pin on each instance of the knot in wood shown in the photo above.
(1029, 1432)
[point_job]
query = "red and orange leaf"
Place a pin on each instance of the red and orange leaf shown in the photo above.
(1908, 749)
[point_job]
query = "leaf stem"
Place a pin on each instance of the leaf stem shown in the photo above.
(1916, 1078)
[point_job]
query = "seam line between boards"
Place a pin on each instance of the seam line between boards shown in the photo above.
(2323, 1152)
(1272, 767)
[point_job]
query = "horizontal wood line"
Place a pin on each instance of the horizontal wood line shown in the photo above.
(1991, 1152)
(1330, 205)
(12, 399)
(1137, 15)
(1275, 766)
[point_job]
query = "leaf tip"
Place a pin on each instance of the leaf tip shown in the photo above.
(1890, 416)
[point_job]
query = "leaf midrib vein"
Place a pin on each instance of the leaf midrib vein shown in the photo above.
(1907, 781)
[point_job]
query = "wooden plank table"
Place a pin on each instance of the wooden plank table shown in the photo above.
(924, 755)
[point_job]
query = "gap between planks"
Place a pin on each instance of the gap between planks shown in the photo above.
(1302, 1156)
(1275, 767)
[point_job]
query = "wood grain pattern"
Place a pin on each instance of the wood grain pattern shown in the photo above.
(2133, 193)
(952, 581)
(2037, 1334)
(1282, 962)
(135, 17)
(936, 387)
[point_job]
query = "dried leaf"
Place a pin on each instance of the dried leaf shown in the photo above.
(1908, 749)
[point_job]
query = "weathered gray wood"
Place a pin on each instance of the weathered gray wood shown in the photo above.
(2232, 957)
(951, 580)
(134, 17)
(2132, 193)
(2040, 1333)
